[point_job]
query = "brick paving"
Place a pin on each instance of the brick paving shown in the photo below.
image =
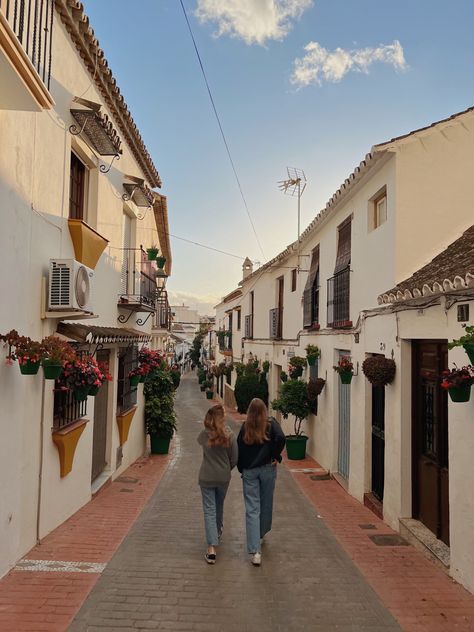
(158, 579)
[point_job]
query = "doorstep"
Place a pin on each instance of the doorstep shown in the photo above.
(103, 480)
(426, 542)
(374, 504)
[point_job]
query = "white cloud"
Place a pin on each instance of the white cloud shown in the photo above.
(254, 21)
(320, 64)
(204, 303)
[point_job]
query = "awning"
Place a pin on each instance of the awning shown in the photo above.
(97, 127)
(137, 191)
(101, 335)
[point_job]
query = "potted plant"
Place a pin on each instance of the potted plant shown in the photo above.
(296, 367)
(379, 370)
(160, 262)
(313, 352)
(80, 375)
(314, 388)
(458, 383)
(209, 391)
(103, 376)
(265, 367)
(283, 376)
(23, 349)
(152, 252)
(136, 375)
(160, 419)
(466, 341)
(294, 400)
(201, 375)
(345, 368)
(54, 354)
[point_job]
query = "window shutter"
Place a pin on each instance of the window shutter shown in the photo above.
(307, 315)
(308, 289)
(343, 259)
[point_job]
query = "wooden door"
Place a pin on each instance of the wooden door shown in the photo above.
(344, 425)
(281, 288)
(99, 440)
(378, 441)
(430, 438)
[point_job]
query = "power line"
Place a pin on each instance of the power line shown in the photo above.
(221, 130)
(196, 243)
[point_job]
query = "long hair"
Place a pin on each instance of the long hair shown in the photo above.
(214, 421)
(256, 424)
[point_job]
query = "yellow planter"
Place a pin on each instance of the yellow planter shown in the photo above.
(124, 421)
(66, 441)
(88, 244)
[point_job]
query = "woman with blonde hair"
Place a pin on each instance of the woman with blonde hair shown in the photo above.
(219, 457)
(260, 442)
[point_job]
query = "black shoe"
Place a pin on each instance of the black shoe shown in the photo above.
(210, 558)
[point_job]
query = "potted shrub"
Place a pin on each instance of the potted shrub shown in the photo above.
(379, 370)
(466, 341)
(458, 383)
(152, 252)
(345, 368)
(201, 375)
(209, 392)
(250, 383)
(160, 419)
(54, 354)
(296, 367)
(313, 352)
(294, 400)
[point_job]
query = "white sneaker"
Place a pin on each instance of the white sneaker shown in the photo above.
(256, 559)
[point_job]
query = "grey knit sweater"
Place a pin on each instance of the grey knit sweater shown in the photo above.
(217, 461)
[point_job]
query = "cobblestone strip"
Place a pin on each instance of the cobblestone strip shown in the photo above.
(158, 579)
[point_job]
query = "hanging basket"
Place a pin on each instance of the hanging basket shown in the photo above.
(460, 393)
(29, 367)
(94, 390)
(379, 370)
(469, 349)
(134, 380)
(152, 253)
(81, 393)
(346, 378)
(51, 370)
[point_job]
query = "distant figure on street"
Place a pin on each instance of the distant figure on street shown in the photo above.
(219, 457)
(260, 442)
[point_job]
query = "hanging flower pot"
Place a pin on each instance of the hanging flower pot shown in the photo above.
(152, 253)
(313, 352)
(142, 378)
(460, 393)
(345, 368)
(81, 393)
(134, 380)
(29, 367)
(52, 370)
(469, 349)
(160, 262)
(379, 370)
(94, 390)
(346, 377)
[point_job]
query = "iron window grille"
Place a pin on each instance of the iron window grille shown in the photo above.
(338, 291)
(126, 393)
(139, 276)
(66, 410)
(276, 323)
(32, 23)
(249, 326)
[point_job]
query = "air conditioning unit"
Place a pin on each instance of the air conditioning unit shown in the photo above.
(70, 286)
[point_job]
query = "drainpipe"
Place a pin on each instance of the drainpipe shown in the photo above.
(40, 473)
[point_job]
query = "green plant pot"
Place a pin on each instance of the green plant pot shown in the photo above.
(159, 445)
(51, 370)
(81, 393)
(460, 393)
(142, 379)
(29, 368)
(94, 390)
(346, 378)
(311, 360)
(160, 262)
(134, 380)
(296, 447)
(469, 349)
(152, 253)
(209, 394)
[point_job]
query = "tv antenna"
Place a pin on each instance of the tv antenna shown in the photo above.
(295, 186)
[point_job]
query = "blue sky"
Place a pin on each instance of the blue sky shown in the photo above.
(401, 65)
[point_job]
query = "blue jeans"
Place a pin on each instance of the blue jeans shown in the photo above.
(213, 506)
(259, 485)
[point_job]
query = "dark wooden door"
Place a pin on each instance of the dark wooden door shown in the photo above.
(99, 440)
(430, 438)
(378, 441)
(281, 288)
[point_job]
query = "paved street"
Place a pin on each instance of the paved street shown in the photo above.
(159, 580)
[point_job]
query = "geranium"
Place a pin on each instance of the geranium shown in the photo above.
(81, 372)
(104, 372)
(56, 351)
(344, 365)
(457, 378)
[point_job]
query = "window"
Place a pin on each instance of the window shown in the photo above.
(126, 393)
(338, 286)
(311, 293)
(77, 186)
(239, 319)
(377, 212)
(293, 280)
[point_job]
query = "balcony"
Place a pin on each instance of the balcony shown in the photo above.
(225, 342)
(138, 283)
(276, 323)
(338, 300)
(249, 327)
(26, 29)
(162, 319)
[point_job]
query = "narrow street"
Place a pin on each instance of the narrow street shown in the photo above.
(158, 578)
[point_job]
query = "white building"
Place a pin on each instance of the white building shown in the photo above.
(76, 189)
(408, 200)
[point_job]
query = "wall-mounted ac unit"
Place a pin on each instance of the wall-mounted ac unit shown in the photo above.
(70, 286)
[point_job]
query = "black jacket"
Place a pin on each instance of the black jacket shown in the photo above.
(259, 454)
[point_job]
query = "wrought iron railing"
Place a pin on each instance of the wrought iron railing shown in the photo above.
(32, 23)
(138, 279)
(126, 393)
(276, 323)
(311, 307)
(162, 319)
(66, 409)
(338, 299)
(249, 326)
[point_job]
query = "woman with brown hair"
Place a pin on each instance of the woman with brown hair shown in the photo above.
(260, 442)
(219, 456)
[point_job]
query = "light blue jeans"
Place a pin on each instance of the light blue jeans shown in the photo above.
(258, 485)
(213, 506)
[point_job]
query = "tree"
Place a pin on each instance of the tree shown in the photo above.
(294, 400)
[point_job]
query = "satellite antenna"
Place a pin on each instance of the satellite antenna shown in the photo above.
(294, 186)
